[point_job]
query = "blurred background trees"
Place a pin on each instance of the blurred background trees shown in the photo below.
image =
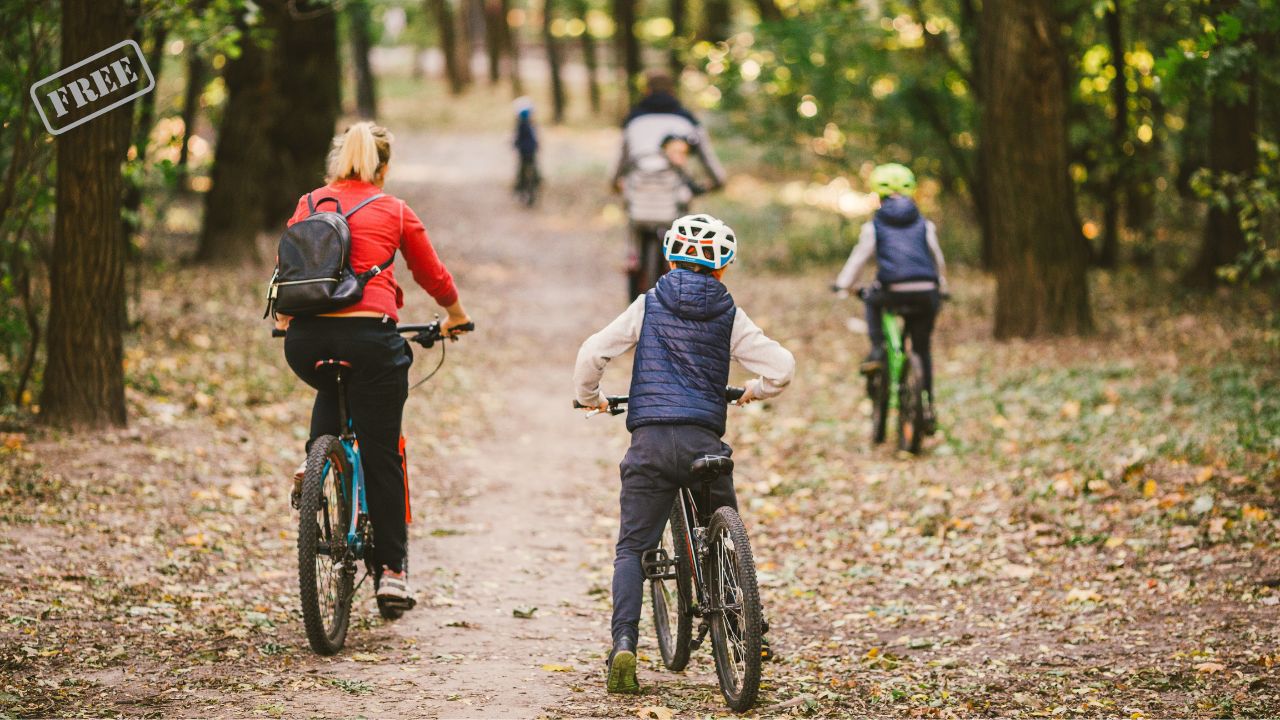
(1055, 139)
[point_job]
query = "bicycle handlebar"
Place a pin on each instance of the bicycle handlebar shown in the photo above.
(731, 394)
(427, 336)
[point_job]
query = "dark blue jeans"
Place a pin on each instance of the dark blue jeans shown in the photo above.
(653, 470)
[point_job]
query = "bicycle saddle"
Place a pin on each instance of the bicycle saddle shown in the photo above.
(710, 467)
(332, 364)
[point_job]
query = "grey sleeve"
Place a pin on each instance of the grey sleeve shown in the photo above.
(931, 236)
(862, 252)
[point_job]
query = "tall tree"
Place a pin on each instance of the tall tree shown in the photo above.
(1109, 254)
(1233, 148)
(466, 46)
(146, 113)
(511, 44)
(233, 207)
(190, 103)
(588, 42)
(305, 103)
(627, 45)
(717, 18)
(443, 15)
(1040, 262)
(553, 62)
(679, 9)
(493, 38)
(359, 20)
(84, 377)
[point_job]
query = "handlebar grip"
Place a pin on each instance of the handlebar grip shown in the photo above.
(465, 327)
(277, 332)
(734, 394)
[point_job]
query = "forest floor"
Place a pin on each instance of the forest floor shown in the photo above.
(1093, 533)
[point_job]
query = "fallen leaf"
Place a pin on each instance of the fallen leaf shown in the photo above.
(366, 657)
(1210, 667)
(655, 712)
(525, 613)
(1070, 409)
(1083, 595)
(1252, 513)
(553, 667)
(1019, 572)
(1204, 475)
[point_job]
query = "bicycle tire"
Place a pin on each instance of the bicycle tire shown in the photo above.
(878, 391)
(325, 579)
(651, 263)
(675, 649)
(911, 406)
(736, 630)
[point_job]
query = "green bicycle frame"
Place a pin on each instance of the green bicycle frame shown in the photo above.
(895, 358)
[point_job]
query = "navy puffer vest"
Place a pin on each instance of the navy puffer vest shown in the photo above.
(682, 359)
(902, 245)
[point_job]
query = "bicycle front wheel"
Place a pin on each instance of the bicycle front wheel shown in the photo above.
(737, 620)
(670, 596)
(326, 567)
(911, 406)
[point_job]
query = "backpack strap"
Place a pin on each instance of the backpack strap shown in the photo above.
(364, 202)
(312, 205)
(376, 269)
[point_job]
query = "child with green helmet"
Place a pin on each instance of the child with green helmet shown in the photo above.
(910, 270)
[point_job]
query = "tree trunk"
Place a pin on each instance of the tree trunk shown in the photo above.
(589, 57)
(84, 375)
(305, 105)
(142, 139)
(439, 9)
(768, 10)
(462, 19)
(1233, 148)
(553, 62)
(1040, 263)
(511, 43)
(493, 41)
(1109, 254)
(233, 206)
(190, 104)
(361, 44)
(718, 19)
(627, 45)
(679, 9)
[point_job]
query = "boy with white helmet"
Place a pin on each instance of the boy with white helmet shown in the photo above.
(686, 330)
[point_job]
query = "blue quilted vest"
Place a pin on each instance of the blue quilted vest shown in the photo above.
(902, 246)
(682, 359)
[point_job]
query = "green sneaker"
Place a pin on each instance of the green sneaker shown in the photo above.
(622, 669)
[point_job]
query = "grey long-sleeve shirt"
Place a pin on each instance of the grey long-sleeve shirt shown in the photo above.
(866, 249)
(748, 345)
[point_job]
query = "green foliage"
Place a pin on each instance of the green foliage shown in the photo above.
(1256, 201)
(26, 187)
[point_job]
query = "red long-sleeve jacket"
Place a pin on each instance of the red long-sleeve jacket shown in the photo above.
(377, 231)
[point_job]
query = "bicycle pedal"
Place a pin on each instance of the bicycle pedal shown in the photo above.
(397, 603)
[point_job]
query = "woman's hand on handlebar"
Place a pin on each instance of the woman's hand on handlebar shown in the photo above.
(457, 317)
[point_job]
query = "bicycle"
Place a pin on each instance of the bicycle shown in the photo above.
(334, 532)
(901, 388)
(528, 182)
(706, 570)
(651, 262)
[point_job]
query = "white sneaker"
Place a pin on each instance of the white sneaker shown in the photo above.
(394, 588)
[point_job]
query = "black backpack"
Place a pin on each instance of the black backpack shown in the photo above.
(313, 264)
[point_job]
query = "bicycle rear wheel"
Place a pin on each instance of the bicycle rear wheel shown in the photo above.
(878, 391)
(737, 620)
(670, 597)
(911, 406)
(326, 567)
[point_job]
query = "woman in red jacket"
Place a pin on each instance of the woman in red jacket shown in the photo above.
(365, 335)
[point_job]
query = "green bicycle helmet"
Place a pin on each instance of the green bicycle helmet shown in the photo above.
(893, 178)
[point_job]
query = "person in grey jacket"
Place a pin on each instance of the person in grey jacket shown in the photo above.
(686, 331)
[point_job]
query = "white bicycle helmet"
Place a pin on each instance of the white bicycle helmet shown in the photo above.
(702, 240)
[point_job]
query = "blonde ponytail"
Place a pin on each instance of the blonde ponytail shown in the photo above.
(360, 152)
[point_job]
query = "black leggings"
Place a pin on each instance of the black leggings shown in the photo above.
(377, 386)
(920, 309)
